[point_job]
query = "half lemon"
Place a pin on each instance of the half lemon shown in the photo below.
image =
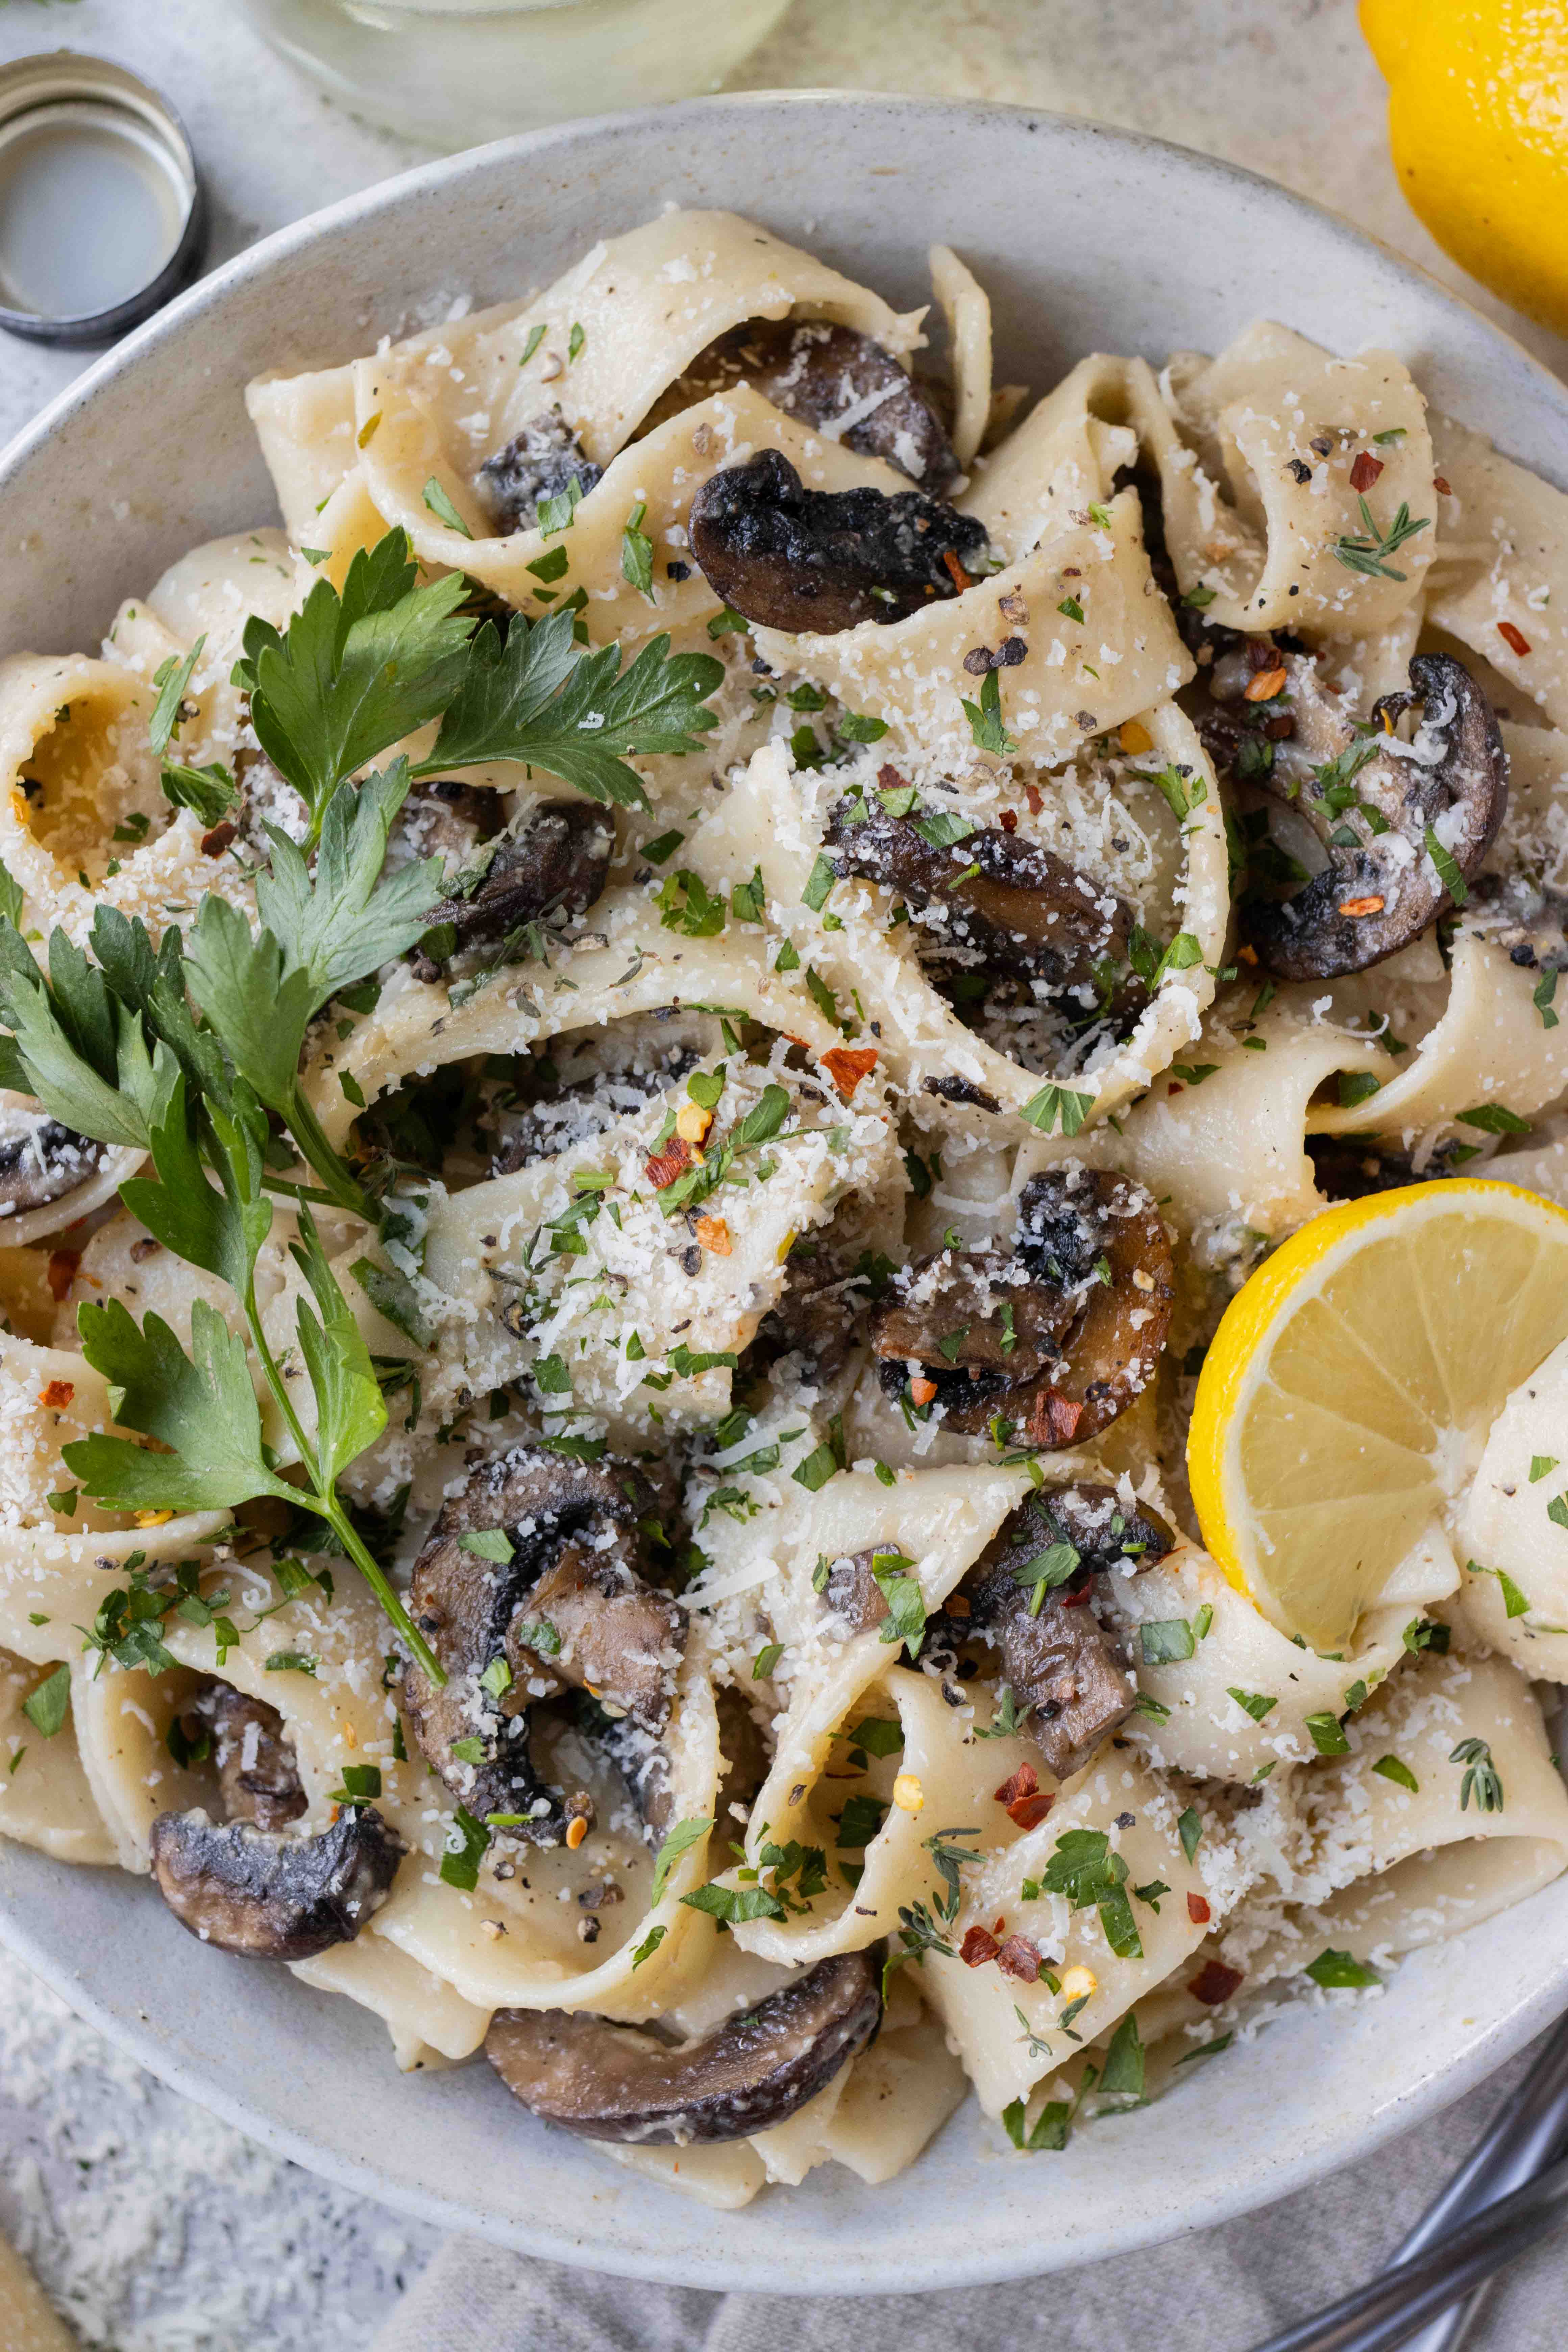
(1343, 1405)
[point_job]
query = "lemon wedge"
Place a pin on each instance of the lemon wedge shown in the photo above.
(1346, 1399)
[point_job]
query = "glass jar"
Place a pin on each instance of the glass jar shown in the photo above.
(458, 72)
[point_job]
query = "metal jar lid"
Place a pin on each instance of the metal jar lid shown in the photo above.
(103, 213)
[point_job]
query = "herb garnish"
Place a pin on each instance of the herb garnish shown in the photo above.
(1481, 1779)
(1369, 556)
(191, 1052)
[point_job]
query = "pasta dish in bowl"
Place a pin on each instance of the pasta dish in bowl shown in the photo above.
(786, 1301)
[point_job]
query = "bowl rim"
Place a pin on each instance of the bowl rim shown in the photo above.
(977, 2261)
(212, 289)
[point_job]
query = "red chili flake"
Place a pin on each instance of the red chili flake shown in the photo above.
(1028, 1812)
(1366, 470)
(961, 579)
(63, 1264)
(1215, 1983)
(1512, 636)
(1019, 1957)
(1079, 1600)
(1008, 820)
(1026, 1802)
(979, 1946)
(215, 843)
(847, 1064)
(1439, 484)
(889, 779)
(1054, 1419)
(1035, 799)
(669, 1162)
(1266, 685)
(1198, 1911)
(57, 1394)
(1372, 905)
(958, 1605)
(921, 1391)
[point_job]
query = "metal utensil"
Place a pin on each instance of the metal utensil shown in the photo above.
(1528, 2130)
(1505, 2197)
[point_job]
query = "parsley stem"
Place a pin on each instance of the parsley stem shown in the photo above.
(322, 1500)
(312, 1192)
(376, 1578)
(310, 1135)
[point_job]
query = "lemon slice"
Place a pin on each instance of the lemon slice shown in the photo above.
(1345, 1401)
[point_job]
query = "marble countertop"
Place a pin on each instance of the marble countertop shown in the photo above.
(156, 2228)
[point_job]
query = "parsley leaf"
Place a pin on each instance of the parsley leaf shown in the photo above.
(986, 717)
(680, 1839)
(202, 1406)
(541, 699)
(353, 674)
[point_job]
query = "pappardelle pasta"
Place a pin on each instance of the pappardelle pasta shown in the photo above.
(751, 1352)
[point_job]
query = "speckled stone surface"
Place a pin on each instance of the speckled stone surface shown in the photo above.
(156, 2228)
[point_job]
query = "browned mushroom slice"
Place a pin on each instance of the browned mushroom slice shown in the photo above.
(443, 818)
(745, 1761)
(1065, 1332)
(838, 381)
(1422, 816)
(555, 866)
(258, 1774)
(269, 1894)
(1021, 909)
(976, 1330)
(1102, 1238)
(40, 1160)
(580, 1086)
(852, 1592)
(1347, 1168)
(790, 557)
(1029, 1597)
(540, 462)
(619, 2083)
(567, 1609)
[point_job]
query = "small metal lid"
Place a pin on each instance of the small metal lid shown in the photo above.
(102, 212)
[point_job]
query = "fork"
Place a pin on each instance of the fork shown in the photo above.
(1506, 2195)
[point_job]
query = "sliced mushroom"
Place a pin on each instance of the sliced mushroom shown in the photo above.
(555, 866)
(1382, 886)
(269, 1894)
(258, 1774)
(846, 386)
(40, 1160)
(581, 1086)
(540, 462)
(745, 1753)
(1065, 1330)
(443, 818)
(829, 1280)
(1054, 1654)
(1024, 912)
(568, 1610)
(790, 557)
(619, 2083)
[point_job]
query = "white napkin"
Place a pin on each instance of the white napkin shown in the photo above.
(1221, 2290)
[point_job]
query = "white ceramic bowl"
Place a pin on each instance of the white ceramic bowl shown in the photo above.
(1087, 238)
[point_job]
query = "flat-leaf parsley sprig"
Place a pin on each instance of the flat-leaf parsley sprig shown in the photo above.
(202, 1406)
(191, 1053)
(353, 675)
